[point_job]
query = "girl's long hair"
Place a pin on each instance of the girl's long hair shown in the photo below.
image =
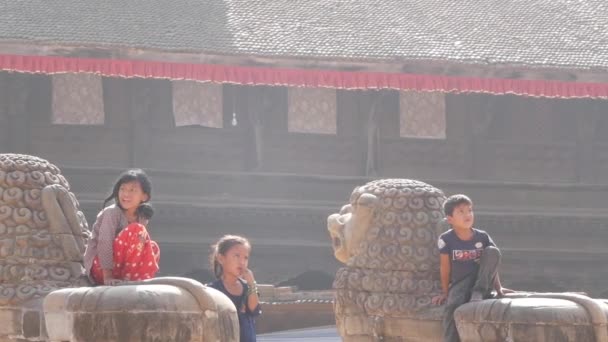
(129, 176)
(222, 247)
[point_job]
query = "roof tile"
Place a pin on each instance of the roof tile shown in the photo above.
(535, 33)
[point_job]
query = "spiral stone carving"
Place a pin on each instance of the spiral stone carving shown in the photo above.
(35, 259)
(387, 237)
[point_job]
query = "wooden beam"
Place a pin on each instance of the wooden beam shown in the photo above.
(408, 66)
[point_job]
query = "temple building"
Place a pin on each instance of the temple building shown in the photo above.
(258, 117)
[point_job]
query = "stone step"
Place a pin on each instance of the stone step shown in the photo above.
(552, 235)
(317, 190)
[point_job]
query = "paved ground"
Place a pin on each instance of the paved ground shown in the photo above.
(320, 334)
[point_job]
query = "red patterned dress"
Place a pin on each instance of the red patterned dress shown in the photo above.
(130, 253)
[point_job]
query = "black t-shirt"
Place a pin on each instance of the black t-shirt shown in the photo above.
(464, 255)
(246, 317)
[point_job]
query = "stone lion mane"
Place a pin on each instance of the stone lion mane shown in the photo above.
(42, 231)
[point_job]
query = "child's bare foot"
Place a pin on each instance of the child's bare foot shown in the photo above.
(114, 282)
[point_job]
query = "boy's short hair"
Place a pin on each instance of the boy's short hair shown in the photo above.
(145, 211)
(453, 201)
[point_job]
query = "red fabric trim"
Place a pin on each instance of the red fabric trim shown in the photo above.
(300, 77)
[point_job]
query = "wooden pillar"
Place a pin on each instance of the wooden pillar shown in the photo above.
(145, 96)
(586, 121)
(373, 136)
(266, 111)
(4, 128)
(352, 111)
(134, 113)
(237, 103)
(257, 105)
(481, 113)
(16, 117)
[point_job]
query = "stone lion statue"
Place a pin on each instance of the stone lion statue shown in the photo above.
(43, 231)
(44, 295)
(387, 237)
(43, 234)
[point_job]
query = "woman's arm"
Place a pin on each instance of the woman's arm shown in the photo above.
(110, 221)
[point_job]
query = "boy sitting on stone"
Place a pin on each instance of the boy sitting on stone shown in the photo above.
(469, 262)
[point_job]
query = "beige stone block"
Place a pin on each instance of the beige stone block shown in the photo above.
(283, 291)
(11, 321)
(358, 338)
(413, 330)
(357, 325)
(267, 292)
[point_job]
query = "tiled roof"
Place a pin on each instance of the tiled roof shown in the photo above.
(534, 33)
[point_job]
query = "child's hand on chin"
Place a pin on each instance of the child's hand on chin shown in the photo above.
(248, 276)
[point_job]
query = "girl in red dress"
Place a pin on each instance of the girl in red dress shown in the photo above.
(120, 248)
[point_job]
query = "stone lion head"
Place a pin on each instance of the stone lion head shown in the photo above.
(389, 224)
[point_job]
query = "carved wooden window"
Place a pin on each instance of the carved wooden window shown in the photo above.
(77, 99)
(312, 110)
(196, 103)
(422, 114)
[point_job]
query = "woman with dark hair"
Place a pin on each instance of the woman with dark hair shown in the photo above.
(120, 248)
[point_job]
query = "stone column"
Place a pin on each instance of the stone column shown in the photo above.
(371, 159)
(257, 113)
(4, 127)
(16, 114)
(143, 93)
(584, 143)
(481, 115)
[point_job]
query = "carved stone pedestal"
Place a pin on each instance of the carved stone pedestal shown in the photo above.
(539, 317)
(160, 309)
